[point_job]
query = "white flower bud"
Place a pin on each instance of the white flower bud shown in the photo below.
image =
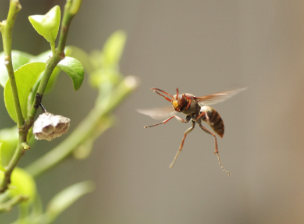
(49, 126)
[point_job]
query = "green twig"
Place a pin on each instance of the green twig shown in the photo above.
(7, 206)
(53, 61)
(6, 28)
(84, 129)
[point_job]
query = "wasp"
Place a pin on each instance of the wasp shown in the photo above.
(196, 109)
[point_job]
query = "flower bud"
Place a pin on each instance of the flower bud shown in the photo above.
(49, 126)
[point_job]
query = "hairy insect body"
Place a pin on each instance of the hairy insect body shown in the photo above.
(194, 108)
(205, 113)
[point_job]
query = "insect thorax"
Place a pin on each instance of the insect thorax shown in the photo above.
(193, 109)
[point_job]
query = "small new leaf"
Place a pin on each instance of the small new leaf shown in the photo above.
(113, 48)
(47, 25)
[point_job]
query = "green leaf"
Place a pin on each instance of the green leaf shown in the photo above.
(82, 56)
(67, 197)
(18, 59)
(47, 25)
(9, 139)
(105, 80)
(43, 57)
(22, 183)
(26, 76)
(113, 49)
(74, 69)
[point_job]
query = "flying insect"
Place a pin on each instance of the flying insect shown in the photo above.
(196, 109)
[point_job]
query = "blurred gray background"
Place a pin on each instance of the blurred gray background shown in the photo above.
(201, 47)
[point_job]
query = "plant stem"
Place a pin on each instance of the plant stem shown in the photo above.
(70, 10)
(19, 152)
(7, 206)
(6, 28)
(52, 63)
(85, 129)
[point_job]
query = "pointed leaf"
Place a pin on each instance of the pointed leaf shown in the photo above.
(74, 69)
(67, 197)
(113, 49)
(81, 56)
(105, 79)
(18, 59)
(47, 25)
(26, 76)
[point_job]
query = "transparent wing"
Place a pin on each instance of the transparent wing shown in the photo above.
(159, 113)
(217, 97)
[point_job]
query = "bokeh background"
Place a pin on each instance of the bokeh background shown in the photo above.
(201, 47)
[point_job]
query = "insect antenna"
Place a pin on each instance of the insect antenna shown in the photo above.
(156, 91)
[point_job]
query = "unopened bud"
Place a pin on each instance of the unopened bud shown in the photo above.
(49, 126)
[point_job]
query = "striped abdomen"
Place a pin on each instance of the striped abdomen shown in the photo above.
(213, 119)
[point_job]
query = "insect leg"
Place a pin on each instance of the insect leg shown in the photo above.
(168, 119)
(201, 114)
(182, 143)
(205, 129)
(211, 133)
(216, 148)
(189, 103)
